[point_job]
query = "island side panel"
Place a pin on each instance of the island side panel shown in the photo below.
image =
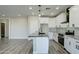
(40, 45)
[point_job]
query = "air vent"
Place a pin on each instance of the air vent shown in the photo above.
(39, 5)
(48, 8)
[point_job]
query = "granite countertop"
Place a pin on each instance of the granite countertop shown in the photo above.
(37, 35)
(73, 36)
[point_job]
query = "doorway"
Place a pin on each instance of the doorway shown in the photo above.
(2, 30)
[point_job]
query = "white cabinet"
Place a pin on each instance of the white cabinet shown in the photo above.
(50, 34)
(43, 20)
(55, 36)
(68, 44)
(52, 23)
(76, 46)
(40, 45)
(74, 16)
(59, 19)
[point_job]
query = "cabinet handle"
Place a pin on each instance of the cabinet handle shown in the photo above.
(77, 42)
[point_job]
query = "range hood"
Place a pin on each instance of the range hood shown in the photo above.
(67, 16)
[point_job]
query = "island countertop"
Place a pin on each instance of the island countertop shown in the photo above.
(38, 35)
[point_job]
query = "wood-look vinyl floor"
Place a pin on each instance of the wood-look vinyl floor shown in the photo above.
(23, 46)
(15, 46)
(56, 48)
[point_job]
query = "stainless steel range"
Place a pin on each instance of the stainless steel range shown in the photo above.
(61, 38)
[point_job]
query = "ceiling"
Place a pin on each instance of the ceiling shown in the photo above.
(29, 10)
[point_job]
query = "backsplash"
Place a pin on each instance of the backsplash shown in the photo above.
(63, 30)
(58, 30)
(77, 31)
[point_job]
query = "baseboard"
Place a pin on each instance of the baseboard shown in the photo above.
(18, 38)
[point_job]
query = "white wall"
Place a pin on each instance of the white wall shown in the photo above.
(18, 28)
(21, 28)
(33, 24)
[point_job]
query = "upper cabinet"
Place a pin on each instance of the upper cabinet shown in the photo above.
(74, 16)
(61, 18)
(43, 20)
(52, 22)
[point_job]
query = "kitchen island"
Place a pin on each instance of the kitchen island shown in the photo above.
(40, 43)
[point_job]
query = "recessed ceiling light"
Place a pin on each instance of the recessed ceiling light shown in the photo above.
(39, 15)
(57, 8)
(30, 8)
(48, 8)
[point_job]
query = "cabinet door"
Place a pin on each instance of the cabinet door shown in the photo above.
(34, 45)
(66, 43)
(70, 43)
(76, 46)
(43, 20)
(74, 16)
(41, 45)
(55, 37)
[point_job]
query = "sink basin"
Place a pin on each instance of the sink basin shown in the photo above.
(41, 33)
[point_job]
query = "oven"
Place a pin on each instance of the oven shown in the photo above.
(61, 39)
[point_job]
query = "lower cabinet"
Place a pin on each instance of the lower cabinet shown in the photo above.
(40, 45)
(76, 46)
(50, 34)
(71, 45)
(68, 44)
(55, 36)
